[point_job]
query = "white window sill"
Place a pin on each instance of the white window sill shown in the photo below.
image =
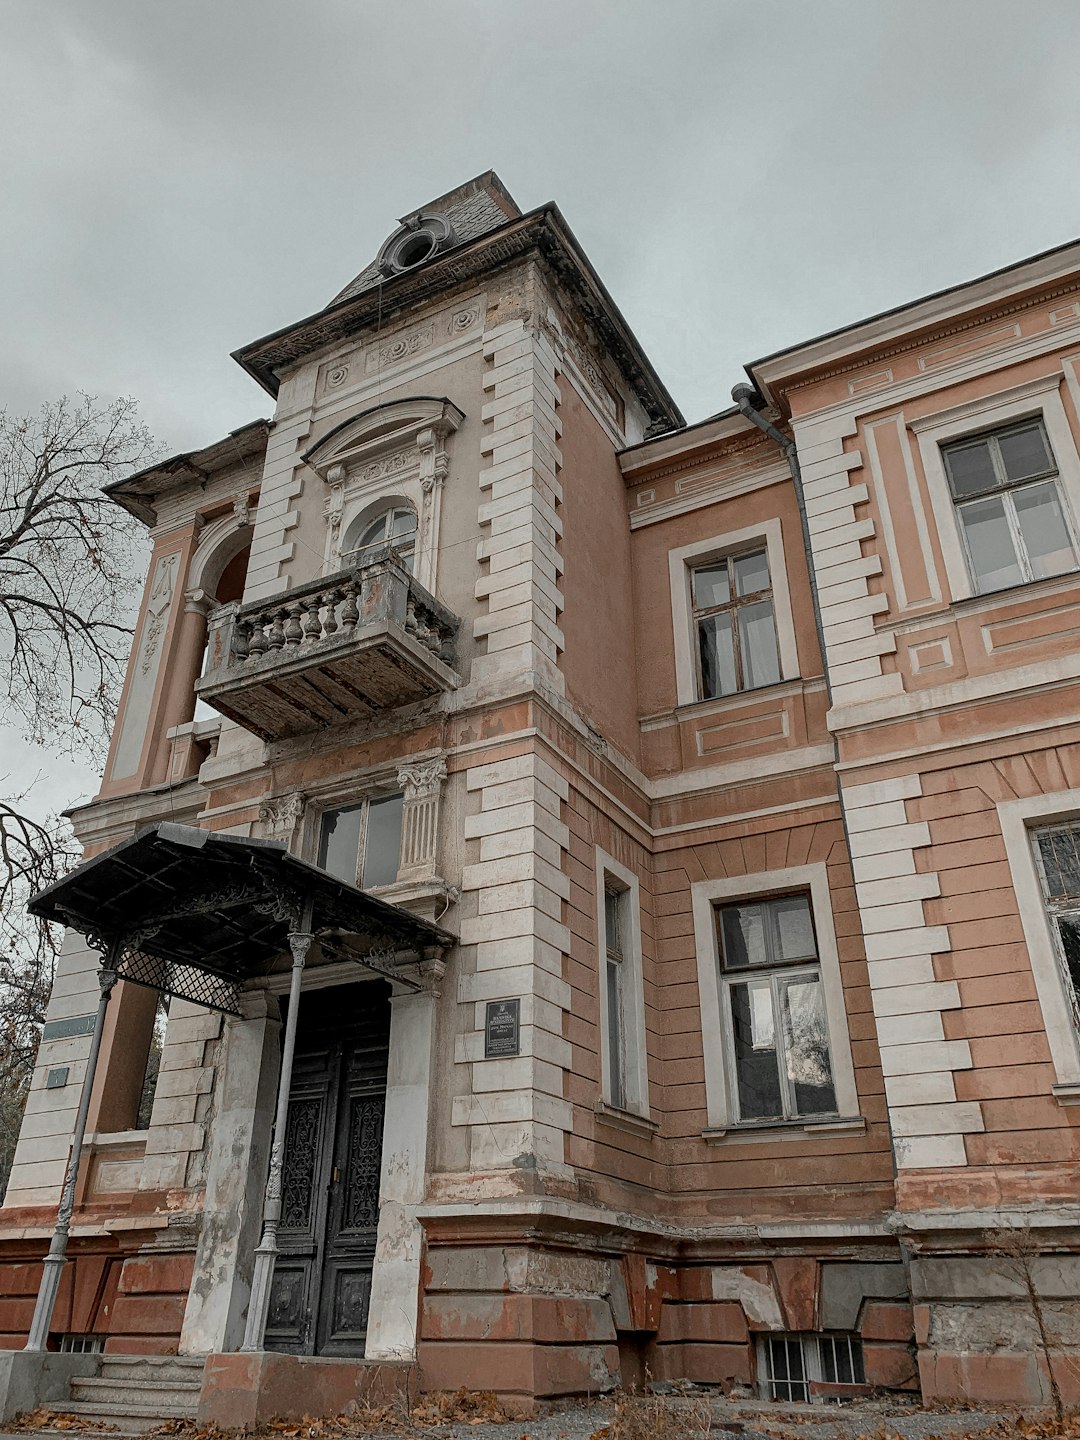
(987, 599)
(1067, 1094)
(784, 1130)
(628, 1120)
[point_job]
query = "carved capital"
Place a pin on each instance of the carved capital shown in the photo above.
(243, 511)
(282, 815)
(422, 780)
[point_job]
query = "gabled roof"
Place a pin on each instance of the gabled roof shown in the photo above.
(138, 493)
(473, 209)
(876, 333)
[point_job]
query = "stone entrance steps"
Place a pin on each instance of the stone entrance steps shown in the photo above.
(137, 1392)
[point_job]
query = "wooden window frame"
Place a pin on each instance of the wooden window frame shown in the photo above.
(732, 606)
(1007, 488)
(774, 973)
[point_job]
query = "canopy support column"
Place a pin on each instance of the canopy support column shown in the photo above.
(53, 1264)
(266, 1250)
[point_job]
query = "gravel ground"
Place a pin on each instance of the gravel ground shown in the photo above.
(674, 1418)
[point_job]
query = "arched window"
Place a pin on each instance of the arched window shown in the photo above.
(395, 526)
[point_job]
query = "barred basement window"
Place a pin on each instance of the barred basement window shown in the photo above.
(792, 1367)
(82, 1344)
(1004, 485)
(1057, 856)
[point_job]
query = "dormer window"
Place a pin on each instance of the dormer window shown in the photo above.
(414, 242)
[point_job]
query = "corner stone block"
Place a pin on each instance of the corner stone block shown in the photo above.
(890, 1367)
(882, 1321)
(246, 1390)
(845, 1286)
(797, 1281)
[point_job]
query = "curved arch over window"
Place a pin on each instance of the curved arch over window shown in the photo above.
(393, 524)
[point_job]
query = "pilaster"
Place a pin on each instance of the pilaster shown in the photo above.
(519, 554)
(516, 1107)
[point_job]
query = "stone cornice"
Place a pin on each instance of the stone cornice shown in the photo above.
(543, 232)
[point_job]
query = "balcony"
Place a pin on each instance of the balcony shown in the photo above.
(345, 647)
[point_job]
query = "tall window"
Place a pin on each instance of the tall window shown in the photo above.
(396, 527)
(153, 1064)
(1012, 517)
(615, 926)
(362, 843)
(1057, 853)
(777, 1033)
(735, 624)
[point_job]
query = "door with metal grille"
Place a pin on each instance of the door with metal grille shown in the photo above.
(330, 1180)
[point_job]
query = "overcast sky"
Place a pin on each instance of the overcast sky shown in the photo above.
(178, 177)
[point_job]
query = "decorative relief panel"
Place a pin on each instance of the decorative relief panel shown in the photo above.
(364, 1162)
(390, 352)
(301, 1155)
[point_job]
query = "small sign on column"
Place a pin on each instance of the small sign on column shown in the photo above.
(502, 1029)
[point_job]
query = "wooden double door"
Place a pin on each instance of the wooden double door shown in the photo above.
(330, 1182)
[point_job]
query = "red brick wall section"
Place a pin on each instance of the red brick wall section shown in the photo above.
(85, 1304)
(150, 1302)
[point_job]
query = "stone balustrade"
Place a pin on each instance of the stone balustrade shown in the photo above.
(365, 638)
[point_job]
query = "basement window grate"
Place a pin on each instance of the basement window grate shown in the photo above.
(796, 1367)
(71, 1344)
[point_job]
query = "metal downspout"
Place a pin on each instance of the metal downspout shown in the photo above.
(744, 397)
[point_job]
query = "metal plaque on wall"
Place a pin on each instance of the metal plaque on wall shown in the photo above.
(502, 1029)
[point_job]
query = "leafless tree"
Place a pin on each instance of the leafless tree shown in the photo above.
(67, 577)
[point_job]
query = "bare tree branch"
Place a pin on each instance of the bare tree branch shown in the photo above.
(69, 569)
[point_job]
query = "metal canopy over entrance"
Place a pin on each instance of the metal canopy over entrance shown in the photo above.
(198, 915)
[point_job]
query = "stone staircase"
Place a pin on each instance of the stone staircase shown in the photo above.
(137, 1392)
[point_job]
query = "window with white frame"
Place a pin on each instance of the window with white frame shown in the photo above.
(625, 1078)
(773, 1010)
(1012, 515)
(735, 624)
(1042, 841)
(1057, 856)
(731, 564)
(361, 844)
(615, 971)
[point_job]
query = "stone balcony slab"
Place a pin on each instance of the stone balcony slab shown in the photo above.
(364, 640)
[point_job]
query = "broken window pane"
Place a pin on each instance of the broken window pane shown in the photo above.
(339, 843)
(382, 843)
(757, 642)
(756, 1062)
(717, 643)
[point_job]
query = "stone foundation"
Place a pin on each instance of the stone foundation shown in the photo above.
(250, 1389)
(977, 1322)
(539, 1323)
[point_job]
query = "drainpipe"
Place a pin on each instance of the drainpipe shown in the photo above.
(751, 404)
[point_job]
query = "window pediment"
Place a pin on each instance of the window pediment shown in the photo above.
(383, 433)
(395, 451)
